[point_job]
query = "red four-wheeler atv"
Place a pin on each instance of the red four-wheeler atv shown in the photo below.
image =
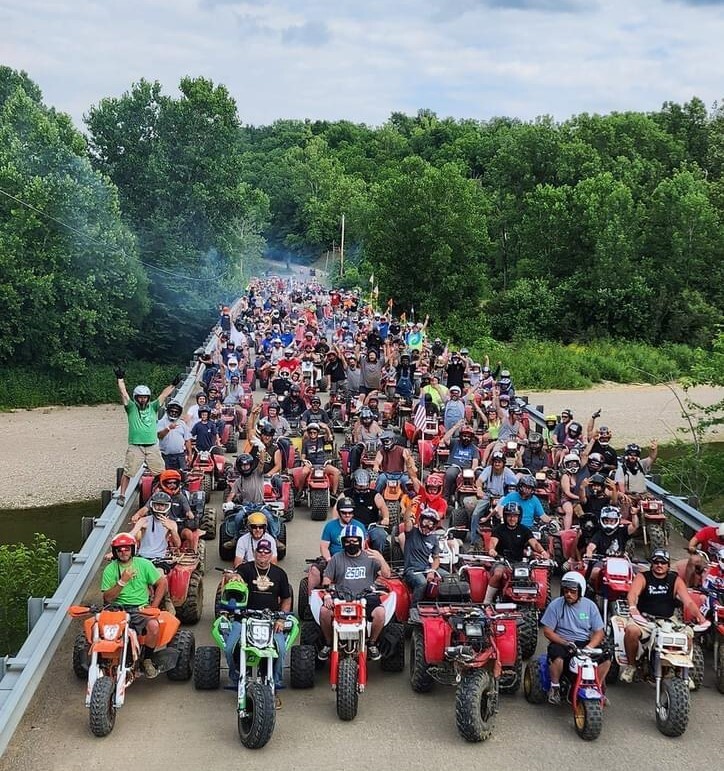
(457, 644)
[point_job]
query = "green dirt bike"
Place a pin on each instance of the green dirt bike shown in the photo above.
(246, 638)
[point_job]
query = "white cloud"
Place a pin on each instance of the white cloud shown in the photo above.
(361, 61)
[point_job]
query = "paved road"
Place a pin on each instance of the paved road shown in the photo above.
(167, 723)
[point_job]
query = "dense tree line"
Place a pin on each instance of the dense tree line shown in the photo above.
(119, 243)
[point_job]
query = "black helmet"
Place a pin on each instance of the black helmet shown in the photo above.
(535, 440)
(295, 390)
(266, 428)
(204, 409)
(597, 479)
(511, 510)
(160, 504)
(632, 449)
(361, 480)
(244, 464)
(526, 481)
(315, 400)
(345, 504)
(574, 429)
(366, 415)
(387, 439)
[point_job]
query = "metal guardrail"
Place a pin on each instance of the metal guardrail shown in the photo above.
(48, 619)
(673, 504)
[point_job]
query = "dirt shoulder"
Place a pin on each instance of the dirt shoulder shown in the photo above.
(63, 454)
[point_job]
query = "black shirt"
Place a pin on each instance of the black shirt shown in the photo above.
(611, 544)
(657, 599)
(455, 373)
(365, 508)
(261, 595)
(512, 543)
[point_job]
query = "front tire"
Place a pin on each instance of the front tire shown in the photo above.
(528, 634)
(319, 505)
(420, 679)
(256, 728)
(190, 611)
(80, 656)
(533, 683)
(476, 702)
(302, 666)
(102, 706)
(185, 644)
(697, 672)
(656, 538)
(588, 718)
(347, 693)
(672, 712)
(207, 668)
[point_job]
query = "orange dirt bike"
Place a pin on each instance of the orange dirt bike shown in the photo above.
(108, 655)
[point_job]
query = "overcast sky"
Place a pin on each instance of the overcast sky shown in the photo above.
(363, 59)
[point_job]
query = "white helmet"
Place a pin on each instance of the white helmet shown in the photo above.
(610, 519)
(570, 460)
(573, 580)
(141, 390)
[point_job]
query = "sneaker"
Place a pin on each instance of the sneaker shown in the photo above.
(277, 703)
(149, 669)
(121, 500)
(554, 695)
(627, 674)
(324, 652)
(373, 652)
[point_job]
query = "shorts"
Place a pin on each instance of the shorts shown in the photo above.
(136, 456)
(373, 601)
(138, 621)
(646, 630)
(558, 651)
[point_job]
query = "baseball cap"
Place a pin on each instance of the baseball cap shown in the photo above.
(264, 545)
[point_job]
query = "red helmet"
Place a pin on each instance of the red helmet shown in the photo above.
(435, 480)
(123, 539)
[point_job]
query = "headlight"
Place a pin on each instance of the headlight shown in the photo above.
(111, 631)
(348, 610)
(473, 630)
(521, 572)
(259, 634)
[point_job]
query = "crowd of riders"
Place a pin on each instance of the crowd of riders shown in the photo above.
(327, 360)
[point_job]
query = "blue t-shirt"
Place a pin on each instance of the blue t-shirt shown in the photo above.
(206, 435)
(532, 508)
(576, 622)
(333, 529)
(461, 455)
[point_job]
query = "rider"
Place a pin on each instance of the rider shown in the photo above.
(245, 546)
(493, 482)
(126, 581)
(365, 431)
(157, 530)
(569, 622)
(421, 550)
(369, 508)
(533, 457)
(653, 592)
(268, 590)
(392, 458)
(174, 438)
(510, 540)
(709, 539)
(610, 538)
(315, 414)
(631, 474)
(454, 410)
(314, 454)
(570, 498)
(293, 406)
(170, 482)
(354, 570)
(142, 432)
(596, 492)
(205, 431)
(530, 505)
(464, 454)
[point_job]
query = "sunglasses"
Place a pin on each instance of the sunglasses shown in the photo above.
(257, 527)
(124, 548)
(659, 562)
(173, 484)
(263, 551)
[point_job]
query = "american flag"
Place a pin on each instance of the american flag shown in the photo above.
(420, 415)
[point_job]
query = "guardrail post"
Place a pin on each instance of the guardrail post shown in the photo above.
(35, 611)
(65, 560)
(3, 666)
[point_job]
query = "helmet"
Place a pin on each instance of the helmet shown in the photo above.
(467, 430)
(435, 481)
(566, 413)
(597, 479)
(313, 426)
(174, 407)
(610, 519)
(256, 518)
(512, 509)
(573, 580)
(574, 429)
(595, 461)
(235, 594)
(455, 390)
(200, 395)
(265, 428)
(535, 440)
(496, 455)
(168, 476)
(345, 504)
(720, 558)
(361, 479)
(528, 481)
(244, 464)
(365, 415)
(123, 539)
(141, 390)
(604, 435)
(464, 351)
(273, 406)
(550, 420)
(351, 531)
(632, 449)
(315, 400)
(571, 462)
(431, 515)
(288, 352)
(466, 435)
(295, 390)
(387, 439)
(160, 503)
(204, 410)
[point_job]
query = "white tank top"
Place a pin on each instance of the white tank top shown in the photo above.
(153, 541)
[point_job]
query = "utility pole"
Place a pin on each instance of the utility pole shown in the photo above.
(341, 252)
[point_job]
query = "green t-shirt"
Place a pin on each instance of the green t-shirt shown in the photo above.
(135, 592)
(142, 423)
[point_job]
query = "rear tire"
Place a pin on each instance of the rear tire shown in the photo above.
(395, 661)
(393, 507)
(207, 668)
(528, 634)
(347, 693)
(720, 669)
(588, 718)
(190, 611)
(207, 484)
(257, 727)
(420, 680)
(208, 524)
(476, 703)
(185, 644)
(102, 707)
(81, 659)
(697, 672)
(303, 599)
(302, 666)
(656, 538)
